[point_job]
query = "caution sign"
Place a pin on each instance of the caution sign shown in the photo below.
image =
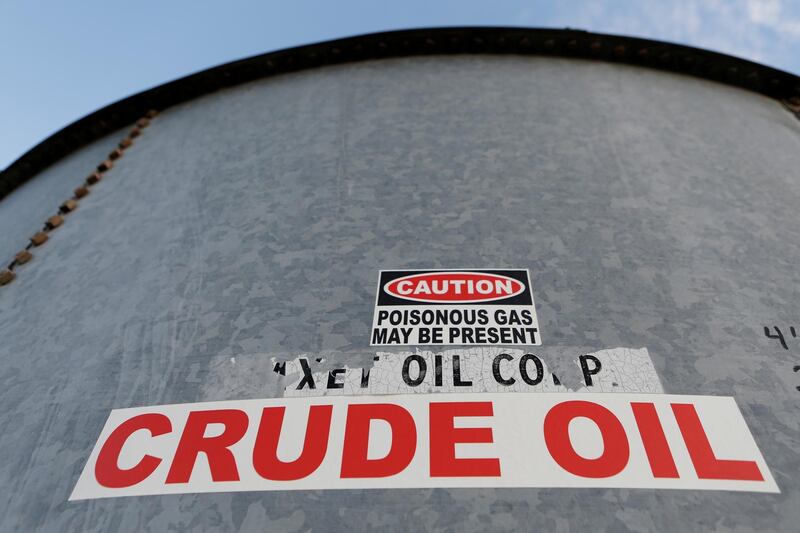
(645, 441)
(454, 307)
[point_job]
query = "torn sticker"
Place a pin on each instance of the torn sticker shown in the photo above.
(476, 369)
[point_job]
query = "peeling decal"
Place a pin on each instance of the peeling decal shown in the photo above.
(491, 369)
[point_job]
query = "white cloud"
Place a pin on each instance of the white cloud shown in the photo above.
(767, 31)
(770, 14)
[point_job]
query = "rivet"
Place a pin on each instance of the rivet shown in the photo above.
(549, 43)
(68, 206)
(80, 192)
(152, 113)
(105, 165)
(125, 143)
(135, 132)
(142, 123)
(54, 221)
(115, 154)
(644, 52)
(39, 238)
(6, 276)
(595, 46)
(93, 178)
(619, 50)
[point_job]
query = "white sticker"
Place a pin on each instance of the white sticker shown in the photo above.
(454, 307)
(647, 441)
(490, 369)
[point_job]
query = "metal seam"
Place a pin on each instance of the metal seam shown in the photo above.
(8, 274)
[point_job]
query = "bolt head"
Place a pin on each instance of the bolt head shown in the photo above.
(6, 276)
(55, 221)
(39, 238)
(23, 257)
(68, 206)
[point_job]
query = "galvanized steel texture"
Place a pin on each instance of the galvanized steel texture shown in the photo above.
(652, 210)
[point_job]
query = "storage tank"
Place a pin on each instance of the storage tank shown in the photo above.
(207, 322)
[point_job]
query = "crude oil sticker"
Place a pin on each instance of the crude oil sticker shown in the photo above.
(454, 307)
(490, 369)
(648, 441)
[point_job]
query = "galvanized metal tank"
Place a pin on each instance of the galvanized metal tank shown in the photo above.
(654, 207)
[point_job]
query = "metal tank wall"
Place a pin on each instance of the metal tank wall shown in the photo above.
(652, 209)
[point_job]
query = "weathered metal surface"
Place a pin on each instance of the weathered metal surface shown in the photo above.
(406, 43)
(25, 210)
(652, 209)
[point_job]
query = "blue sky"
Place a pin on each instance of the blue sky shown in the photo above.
(62, 60)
